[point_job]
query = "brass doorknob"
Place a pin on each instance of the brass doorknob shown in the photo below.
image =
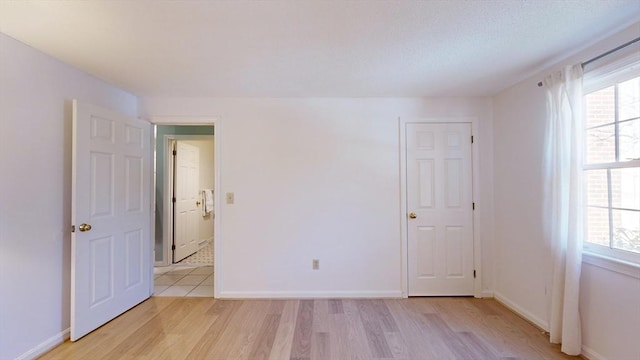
(412, 215)
(84, 227)
(197, 203)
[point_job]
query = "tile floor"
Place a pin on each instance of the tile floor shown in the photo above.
(183, 280)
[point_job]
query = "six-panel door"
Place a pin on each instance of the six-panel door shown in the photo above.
(187, 192)
(111, 251)
(439, 209)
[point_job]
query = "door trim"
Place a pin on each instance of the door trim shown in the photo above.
(217, 198)
(475, 166)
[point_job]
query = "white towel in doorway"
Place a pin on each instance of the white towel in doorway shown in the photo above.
(207, 202)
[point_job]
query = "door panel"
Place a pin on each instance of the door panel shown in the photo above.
(453, 183)
(101, 252)
(426, 238)
(134, 273)
(454, 251)
(110, 192)
(439, 185)
(426, 183)
(134, 167)
(101, 178)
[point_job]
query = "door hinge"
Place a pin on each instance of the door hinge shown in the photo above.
(474, 274)
(173, 199)
(473, 206)
(472, 139)
(173, 247)
(175, 152)
(73, 228)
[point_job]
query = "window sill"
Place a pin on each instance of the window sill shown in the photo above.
(615, 265)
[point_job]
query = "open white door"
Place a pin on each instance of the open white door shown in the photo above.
(111, 245)
(439, 209)
(187, 194)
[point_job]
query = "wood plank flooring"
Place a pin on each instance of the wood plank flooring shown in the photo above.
(415, 328)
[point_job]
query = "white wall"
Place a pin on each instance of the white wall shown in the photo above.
(610, 310)
(314, 178)
(35, 191)
(610, 304)
(318, 178)
(522, 259)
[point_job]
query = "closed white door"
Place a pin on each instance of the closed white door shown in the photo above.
(111, 243)
(439, 209)
(187, 193)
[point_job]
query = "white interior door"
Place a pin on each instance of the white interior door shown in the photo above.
(111, 204)
(187, 193)
(439, 209)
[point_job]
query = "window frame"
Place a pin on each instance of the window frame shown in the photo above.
(611, 74)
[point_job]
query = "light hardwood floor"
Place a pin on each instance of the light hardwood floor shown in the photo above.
(415, 328)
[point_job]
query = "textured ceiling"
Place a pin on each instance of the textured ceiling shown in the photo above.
(312, 48)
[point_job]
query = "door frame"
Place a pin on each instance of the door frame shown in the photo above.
(217, 159)
(167, 208)
(475, 167)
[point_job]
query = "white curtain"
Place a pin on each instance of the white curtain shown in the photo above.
(563, 202)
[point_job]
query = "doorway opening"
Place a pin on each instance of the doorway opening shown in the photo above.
(184, 210)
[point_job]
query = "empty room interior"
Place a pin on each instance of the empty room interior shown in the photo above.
(320, 179)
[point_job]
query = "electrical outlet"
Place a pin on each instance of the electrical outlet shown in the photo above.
(230, 198)
(315, 264)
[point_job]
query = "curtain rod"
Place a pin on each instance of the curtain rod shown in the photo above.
(596, 58)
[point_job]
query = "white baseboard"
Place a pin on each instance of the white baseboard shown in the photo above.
(520, 311)
(590, 354)
(308, 294)
(487, 294)
(45, 346)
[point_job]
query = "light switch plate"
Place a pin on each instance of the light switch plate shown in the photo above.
(230, 198)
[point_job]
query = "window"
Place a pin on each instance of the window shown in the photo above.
(612, 166)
